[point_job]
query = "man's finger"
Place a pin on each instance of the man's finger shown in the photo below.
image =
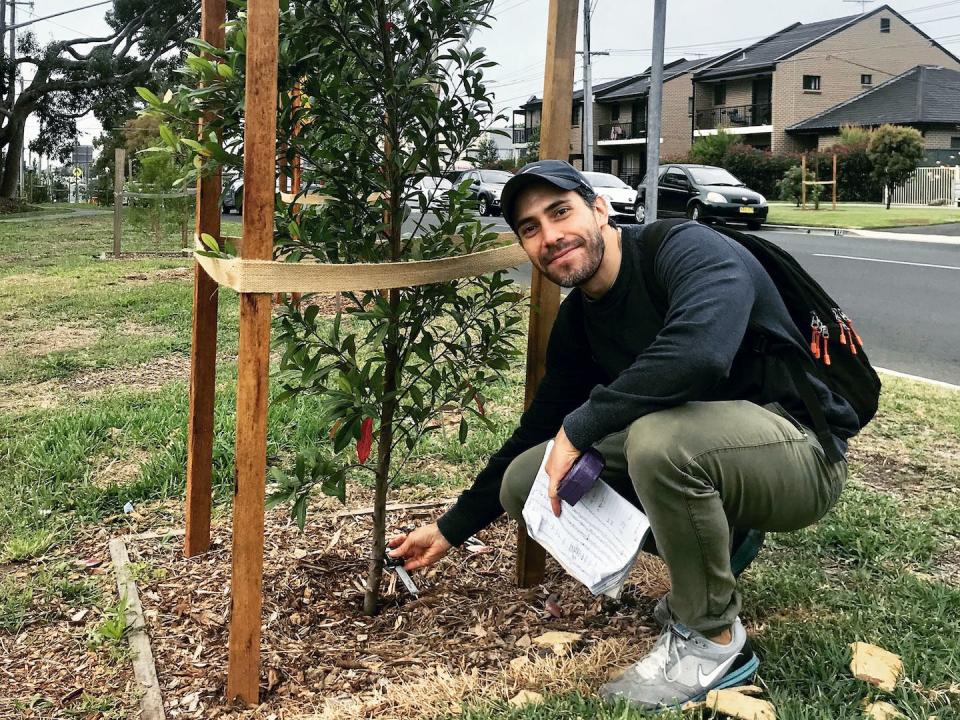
(402, 549)
(555, 504)
(397, 540)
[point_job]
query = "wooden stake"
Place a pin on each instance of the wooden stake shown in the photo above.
(834, 181)
(259, 172)
(803, 181)
(544, 294)
(203, 355)
(118, 156)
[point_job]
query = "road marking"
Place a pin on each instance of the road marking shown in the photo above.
(892, 262)
(897, 373)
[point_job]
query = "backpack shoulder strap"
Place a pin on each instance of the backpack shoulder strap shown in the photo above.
(651, 239)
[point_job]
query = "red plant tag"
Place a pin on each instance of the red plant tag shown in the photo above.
(366, 440)
(479, 401)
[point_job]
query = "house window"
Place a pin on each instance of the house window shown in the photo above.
(615, 112)
(720, 94)
(575, 116)
(884, 25)
(811, 82)
(955, 143)
(866, 79)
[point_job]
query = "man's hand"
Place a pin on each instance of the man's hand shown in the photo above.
(420, 548)
(562, 457)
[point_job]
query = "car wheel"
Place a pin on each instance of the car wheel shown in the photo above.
(639, 213)
(695, 212)
(754, 225)
(483, 207)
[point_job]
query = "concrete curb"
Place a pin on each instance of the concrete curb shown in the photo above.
(917, 378)
(890, 234)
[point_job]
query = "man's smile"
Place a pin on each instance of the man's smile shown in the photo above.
(562, 253)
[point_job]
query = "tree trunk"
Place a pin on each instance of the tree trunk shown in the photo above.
(11, 163)
(889, 195)
(384, 452)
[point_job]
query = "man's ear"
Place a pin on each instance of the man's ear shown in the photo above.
(602, 210)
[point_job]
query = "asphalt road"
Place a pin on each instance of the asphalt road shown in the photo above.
(903, 296)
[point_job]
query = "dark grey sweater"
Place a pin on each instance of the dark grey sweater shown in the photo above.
(613, 360)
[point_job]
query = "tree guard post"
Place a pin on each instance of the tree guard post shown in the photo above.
(204, 344)
(259, 172)
(544, 294)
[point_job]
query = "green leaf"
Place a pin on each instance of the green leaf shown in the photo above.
(463, 431)
(225, 71)
(148, 96)
(210, 242)
(166, 134)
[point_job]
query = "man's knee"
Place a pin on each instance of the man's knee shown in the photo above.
(514, 489)
(651, 447)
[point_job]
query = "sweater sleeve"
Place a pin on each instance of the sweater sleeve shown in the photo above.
(710, 294)
(570, 374)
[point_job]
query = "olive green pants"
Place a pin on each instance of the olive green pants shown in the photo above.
(697, 471)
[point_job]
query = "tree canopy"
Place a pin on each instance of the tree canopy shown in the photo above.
(77, 76)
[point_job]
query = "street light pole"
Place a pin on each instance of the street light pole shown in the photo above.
(654, 111)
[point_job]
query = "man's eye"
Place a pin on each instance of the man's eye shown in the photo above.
(527, 229)
(562, 211)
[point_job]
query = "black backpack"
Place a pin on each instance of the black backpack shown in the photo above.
(835, 352)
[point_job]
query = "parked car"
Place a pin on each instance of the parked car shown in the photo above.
(433, 188)
(619, 196)
(231, 199)
(485, 187)
(704, 193)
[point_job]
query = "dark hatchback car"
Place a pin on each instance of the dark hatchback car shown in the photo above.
(485, 187)
(705, 193)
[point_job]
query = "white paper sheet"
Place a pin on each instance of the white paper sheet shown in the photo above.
(596, 540)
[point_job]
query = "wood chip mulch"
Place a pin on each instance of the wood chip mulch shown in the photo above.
(317, 645)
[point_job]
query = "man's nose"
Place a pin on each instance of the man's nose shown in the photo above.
(552, 233)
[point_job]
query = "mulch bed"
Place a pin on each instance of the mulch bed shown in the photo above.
(320, 652)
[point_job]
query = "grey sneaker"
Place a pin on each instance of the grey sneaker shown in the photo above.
(683, 666)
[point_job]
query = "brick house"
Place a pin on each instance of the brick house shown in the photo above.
(757, 92)
(806, 69)
(924, 97)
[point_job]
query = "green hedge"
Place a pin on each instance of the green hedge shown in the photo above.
(761, 170)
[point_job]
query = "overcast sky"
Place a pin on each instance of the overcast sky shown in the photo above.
(517, 36)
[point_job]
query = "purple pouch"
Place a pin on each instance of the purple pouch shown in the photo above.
(581, 477)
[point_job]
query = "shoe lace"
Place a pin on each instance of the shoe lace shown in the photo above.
(666, 651)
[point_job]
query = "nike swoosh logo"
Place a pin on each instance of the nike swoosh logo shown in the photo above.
(711, 677)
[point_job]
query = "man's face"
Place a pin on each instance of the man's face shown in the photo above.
(560, 233)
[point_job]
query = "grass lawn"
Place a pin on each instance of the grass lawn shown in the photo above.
(861, 216)
(93, 361)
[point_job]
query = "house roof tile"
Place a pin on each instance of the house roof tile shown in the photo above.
(922, 95)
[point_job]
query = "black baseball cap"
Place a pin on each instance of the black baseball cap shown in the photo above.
(556, 172)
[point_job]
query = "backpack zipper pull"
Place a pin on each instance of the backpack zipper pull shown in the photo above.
(815, 335)
(825, 333)
(853, 333)
(843, 335)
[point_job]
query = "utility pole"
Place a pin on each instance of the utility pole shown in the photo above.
(588, 89)
(653, 110)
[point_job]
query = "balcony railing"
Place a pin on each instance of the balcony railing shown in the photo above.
(731, 116)
(622, 131)
(521, 135)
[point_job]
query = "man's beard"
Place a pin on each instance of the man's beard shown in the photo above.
(593, 251)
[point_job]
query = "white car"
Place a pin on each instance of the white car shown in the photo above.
(433, 188)
(620, 197)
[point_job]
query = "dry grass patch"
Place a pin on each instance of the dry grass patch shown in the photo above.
(55, 393)
(58, 339)
(119, 467)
